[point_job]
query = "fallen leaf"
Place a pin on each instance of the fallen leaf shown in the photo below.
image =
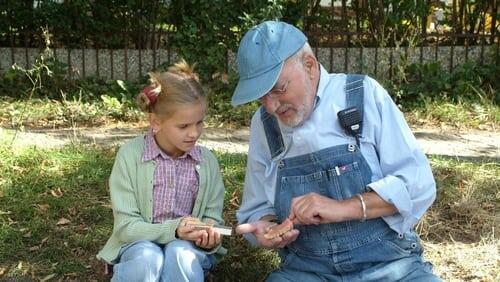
(27, 235)
(16, 168)
(63, 221)
(45, 239)
(56, 193)
(72, 211)
(224, 78)
(50, 276)
(42, 207)
(81, 227)
(34, 248)
(235, 202)
(3, 270)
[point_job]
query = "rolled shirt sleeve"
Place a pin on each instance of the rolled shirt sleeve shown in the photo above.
(407, 181)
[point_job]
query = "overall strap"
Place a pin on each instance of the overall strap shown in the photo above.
(354, 100)
(354, 91)
(354, 94)
(273, 133)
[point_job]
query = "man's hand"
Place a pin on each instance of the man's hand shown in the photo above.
(315, 209)
(260, 228)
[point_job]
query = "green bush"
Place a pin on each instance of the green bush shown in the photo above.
(470, 82)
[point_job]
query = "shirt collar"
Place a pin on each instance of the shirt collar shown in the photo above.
(323, 82)
(152, 150)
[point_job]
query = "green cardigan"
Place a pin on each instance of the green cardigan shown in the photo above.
(131, 189)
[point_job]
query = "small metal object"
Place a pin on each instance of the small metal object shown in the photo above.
(281, 164)
(363, 206)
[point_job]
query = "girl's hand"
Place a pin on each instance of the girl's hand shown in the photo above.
(209, 239)
(204, 238)
(188, 232)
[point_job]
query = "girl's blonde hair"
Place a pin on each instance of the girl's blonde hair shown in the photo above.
(178, 86)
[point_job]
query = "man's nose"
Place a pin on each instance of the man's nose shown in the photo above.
(270, 104)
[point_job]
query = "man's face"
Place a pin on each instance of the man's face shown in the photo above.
(291, 99)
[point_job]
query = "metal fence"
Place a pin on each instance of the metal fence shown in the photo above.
(346, 36)
(131, 64)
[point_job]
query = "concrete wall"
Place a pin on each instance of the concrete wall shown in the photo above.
(131, 64)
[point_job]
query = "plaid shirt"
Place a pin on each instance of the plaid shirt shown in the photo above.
(176, 181)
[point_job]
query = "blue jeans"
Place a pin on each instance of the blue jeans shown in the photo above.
(389, 258)
(345, 251)
(176, 261)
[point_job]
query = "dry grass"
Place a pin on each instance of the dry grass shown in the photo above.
(40, 188)
(457, 261)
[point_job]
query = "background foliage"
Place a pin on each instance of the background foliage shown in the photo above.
(205, 31)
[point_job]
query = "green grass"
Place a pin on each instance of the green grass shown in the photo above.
(54, 209)
(65, 113)
(55, 213)
(69, 113)
(478, 114)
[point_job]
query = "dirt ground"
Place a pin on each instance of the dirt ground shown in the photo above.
(433, 141)
(471, 262)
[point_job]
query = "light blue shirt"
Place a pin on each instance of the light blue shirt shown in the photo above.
(401, 174)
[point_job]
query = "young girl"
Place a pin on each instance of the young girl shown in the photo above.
(160, 183)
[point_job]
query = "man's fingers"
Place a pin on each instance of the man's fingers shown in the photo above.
(288, 237)
(245, 228)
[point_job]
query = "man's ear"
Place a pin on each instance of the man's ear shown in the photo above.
(310, 63)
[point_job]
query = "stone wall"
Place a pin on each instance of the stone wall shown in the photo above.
(131, 64)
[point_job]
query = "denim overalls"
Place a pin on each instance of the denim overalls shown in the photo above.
(346, 251)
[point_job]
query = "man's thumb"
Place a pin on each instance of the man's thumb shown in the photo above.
(245, 228)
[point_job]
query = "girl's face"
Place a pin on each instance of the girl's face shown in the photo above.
(179, 132)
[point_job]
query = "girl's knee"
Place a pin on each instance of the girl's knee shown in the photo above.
(141, 259)
(184, 261)
(179, 250)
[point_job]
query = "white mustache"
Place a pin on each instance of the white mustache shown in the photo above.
(283, 108)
